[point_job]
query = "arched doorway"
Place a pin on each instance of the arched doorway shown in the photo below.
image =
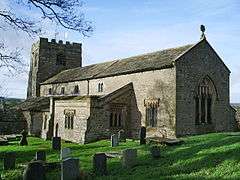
(56, 130)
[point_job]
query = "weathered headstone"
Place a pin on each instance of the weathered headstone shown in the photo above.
(155, 151)
(41, 155)
(122, 136)
(9, 160)
(23, 141)
(65, 153)
(56, 143)
(34, 170)
(129, 158)
(70, 169)
(114, 140)
(142, 135)
(100, 164)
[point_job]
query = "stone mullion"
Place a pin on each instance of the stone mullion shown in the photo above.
(206, 109)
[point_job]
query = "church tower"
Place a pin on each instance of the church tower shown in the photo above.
(50, 58)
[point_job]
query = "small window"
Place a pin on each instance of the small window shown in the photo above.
(100, 87)
(151, 116)
(69, 118)
(76, 89)
(63, 90)
(115, 119)
(61, 59)
(50, 91)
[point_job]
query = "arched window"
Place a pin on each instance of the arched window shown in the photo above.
(100, 87)
(61, 59)
(76, 89)
(62, 90)
(203, 101)
(50, 91)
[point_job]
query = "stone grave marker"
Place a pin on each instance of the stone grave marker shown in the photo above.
(142, 135)
(41, 155)
(9, 160)
(70, 169)
(114, 140)
(34, 170)
(155, 151)
(56, 143)
(129, 158)
(23, 140)
(100, 164)
(122, 136)
(65, 153)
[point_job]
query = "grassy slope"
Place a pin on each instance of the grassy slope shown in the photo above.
(203, 157)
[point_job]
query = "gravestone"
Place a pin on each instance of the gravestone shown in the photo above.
(9, 160)
(155, 151)
(114, 140)
(70, 169)
(100, 164)
(34, 170)
(142, 135)
(41, 155)
(23, 140)
(129, 158)
(122, 136)
(56, 143)
(65, 153)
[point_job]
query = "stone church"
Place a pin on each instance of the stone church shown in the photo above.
(173, 92)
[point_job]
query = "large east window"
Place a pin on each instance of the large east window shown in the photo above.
(203, 102)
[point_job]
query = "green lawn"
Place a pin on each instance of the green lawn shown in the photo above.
(212, 156)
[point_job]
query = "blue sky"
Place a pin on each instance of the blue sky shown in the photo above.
(130, 27)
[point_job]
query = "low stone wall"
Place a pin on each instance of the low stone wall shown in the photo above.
(11, 122)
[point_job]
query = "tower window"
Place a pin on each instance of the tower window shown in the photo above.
(61, 59)
(63, 90)
(100, 87)
(76, 89)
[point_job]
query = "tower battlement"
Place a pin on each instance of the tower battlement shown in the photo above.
(49, 58)
(46, 41)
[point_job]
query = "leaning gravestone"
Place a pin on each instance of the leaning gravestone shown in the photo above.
(129, 158)
(100, 164)
(9, 160)
(114, 140)
(41, 155)
(70, 169)
(142, 135)
(23, 141)
(56, 143)
(34, 171)
(65, 153)
(122, 136)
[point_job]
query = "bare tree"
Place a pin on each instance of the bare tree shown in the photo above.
(65, 13)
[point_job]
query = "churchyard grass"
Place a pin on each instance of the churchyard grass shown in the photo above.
(211, 156)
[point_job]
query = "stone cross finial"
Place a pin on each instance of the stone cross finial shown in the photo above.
(202, 28)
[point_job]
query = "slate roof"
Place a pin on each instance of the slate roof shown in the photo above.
(151, 61)
(36, 104)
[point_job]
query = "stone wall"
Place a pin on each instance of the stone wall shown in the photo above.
(82, 114)
(43, 61)
(158, 84)
(191, 68)
(11, 122)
